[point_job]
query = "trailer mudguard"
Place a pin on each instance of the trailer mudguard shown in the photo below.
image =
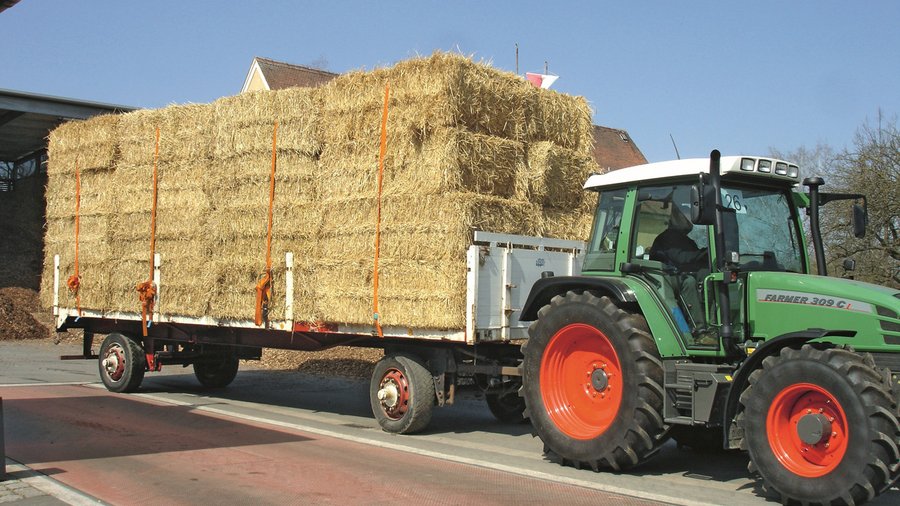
(754, 361)
(545, 289)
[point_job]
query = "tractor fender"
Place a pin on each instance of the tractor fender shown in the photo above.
(545, 289)
(755, 360)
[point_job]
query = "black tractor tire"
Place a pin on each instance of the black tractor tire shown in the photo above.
(592, 384)
(507, 408)
(409, 397)
(217, 370)
(122, 363)
(821, 426)
(699, 439)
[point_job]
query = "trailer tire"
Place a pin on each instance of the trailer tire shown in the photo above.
(402, 394)
(216, 371)
(592, 384)
(122, 363)
(821, 426)
(507, 408)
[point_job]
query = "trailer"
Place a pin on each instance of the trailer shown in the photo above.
(422, 368)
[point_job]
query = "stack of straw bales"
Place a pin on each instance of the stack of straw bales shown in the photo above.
(469, 148)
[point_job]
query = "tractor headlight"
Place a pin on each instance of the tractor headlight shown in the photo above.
(793, 171)
(765, 166)
(781, 168)
(747, 164)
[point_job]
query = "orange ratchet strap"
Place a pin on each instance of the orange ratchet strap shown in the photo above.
(264, 285)
(384, 115)
(147, 290)
(74, 281)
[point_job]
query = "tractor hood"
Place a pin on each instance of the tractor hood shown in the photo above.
(779, 302)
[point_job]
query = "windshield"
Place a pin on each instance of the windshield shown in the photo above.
(763, 228)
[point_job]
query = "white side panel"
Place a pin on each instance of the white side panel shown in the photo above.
(507, 268)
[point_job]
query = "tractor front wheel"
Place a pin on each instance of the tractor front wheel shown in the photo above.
(821, 426)
(592, 383)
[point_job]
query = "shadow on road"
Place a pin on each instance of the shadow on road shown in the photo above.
(76, 427)
(335, 395)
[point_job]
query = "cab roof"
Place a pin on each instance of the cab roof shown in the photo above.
(749, 168)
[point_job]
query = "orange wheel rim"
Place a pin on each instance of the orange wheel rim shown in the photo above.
(807, 430)
(581, 381)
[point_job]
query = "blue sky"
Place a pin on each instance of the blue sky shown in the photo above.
(738, 76)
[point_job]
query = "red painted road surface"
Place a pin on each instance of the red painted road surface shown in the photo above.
(127, 450)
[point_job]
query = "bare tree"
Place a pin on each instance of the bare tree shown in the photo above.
(872, 168)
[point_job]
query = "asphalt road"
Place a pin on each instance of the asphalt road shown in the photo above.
(288, 437)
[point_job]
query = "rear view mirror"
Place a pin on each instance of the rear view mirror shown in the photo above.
(703, 203)
(859, 220)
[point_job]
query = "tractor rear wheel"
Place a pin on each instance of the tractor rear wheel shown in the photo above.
(122, 363)
(592, 383)
(821, 426)
(402, 394)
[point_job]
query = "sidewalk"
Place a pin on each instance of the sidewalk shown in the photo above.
(24, 487)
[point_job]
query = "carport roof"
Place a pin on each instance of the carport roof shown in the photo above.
(26, 119)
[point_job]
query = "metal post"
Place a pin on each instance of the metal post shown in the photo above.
(2, 445)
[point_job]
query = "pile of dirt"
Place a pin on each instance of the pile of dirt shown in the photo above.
(17, 315)
(346, 361)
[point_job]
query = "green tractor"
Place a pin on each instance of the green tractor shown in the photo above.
(696, 316)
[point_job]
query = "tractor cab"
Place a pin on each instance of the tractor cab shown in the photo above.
(677, 255)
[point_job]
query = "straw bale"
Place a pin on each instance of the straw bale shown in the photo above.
(184, 278)
(411, 292)
(61, 195)
(93, 255)
(298, 111)
(564, 224)
(186, 132)
(554, 176)
(91, 143)
(242, 180)
(245, 123)
(448, 160)
(253, 108)
(562, 119)
(434, 227)
(233, 293)
(443, 90)
(423, 254)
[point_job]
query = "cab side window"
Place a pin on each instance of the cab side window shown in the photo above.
(601, 253)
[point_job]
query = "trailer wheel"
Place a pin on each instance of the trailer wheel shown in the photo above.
(216, 371)
(122, 363)
(508, 407)
(402, 394)
(592, 383)
(821, 426)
